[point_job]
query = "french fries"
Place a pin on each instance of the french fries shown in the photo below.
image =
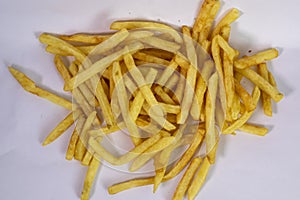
(167, 88)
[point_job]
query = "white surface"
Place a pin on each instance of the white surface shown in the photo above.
(247, 168)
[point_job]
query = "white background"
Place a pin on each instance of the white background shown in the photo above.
(247, 168)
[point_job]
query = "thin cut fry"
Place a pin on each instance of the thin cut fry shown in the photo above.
(266, 99)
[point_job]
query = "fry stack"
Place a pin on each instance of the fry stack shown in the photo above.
(166, 88)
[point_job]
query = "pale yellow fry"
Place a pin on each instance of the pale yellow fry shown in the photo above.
(124, 104)
(201, 18)
(151, 128)
(142, 159)
(89, 178)
(244, 118)
(186, 157)
(171, 109)
(207, 70)
(147, 25)
(138, 34)
(245, 96)
(150, 59)
(186, 179)
(178, 94)
(189, 46)
(225, 32)
(261, 83)
(138, 101)
(198, 99)
(119, 187)
(231, 53)
(210, 108)
(85, 38)
(182, 61)
(30, 86)
(57, 51)
(102, 152)
(230, 17)
(199, 179)
(254, 129)
(101, 65)
(266, 99)
(261, 57)
(59, 129)
(204, 33)
(161, 44)
(272, 79)
(171, 83)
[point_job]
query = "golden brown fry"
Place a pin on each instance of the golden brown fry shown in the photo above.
(230, 17)
(30, 86)
(231, 53)
(116, 188)
(59, 129)
(261, 57)
(266, 99)
(236, 107)
(85, 38)
(89, 178)
(199, 179)
(159, 53)
(61, 68)
(150, 59)
(186, 179)
(254, 129)
(261, 83)
(198, 99)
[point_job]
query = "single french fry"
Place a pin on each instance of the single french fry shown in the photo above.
(59, 129)
(167, 73)
(231, 53)
(230, 17)
(118, 25)
(236, 107)
(31, 87)
(228, 82)
(85, 38)
(266, 99)
(185, 181)
(210, 107)
(198, 99)
(199, 179)
(89, 178)
(261, 83)
(178, 94)
(261, 57)
(272, 79)
(159, 53)
(244, 117)
(254, 129)
(61, 68)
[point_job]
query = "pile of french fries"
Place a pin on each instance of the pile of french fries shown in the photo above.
(167, 88)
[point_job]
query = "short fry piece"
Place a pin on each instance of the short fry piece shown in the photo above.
(254, 129)
(266, 99)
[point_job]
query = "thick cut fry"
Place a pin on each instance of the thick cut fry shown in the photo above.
(30, 86)
(245, 96)
(266, 99)
(149, 153)
(186, 179)
(254, 129)
(230, 17)
(118, 25)
(124, 104)
(228, 82)
(261, 57)
(89, 178)
(244, 118)
(186, 157)
(261, 83)
(231, 53)
(59, 129)
(198, 99)
(199, 179)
